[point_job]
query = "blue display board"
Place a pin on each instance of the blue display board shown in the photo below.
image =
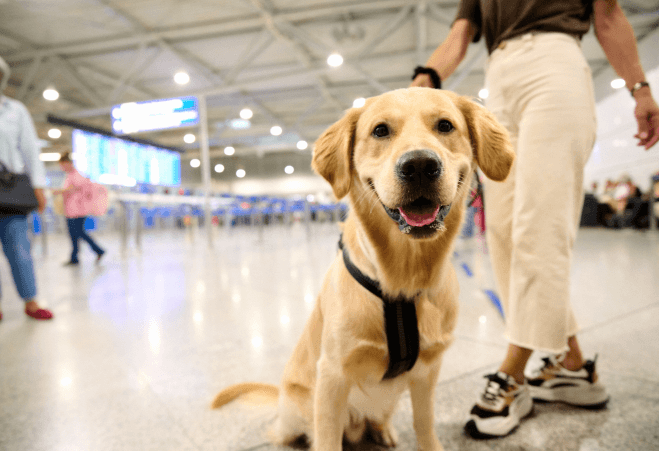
(150, 115)
(114, 161)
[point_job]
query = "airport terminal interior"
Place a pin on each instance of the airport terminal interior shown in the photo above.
(199, 118)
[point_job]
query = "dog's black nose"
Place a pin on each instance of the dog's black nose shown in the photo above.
(419, 166)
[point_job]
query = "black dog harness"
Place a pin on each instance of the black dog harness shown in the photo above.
(399, 319)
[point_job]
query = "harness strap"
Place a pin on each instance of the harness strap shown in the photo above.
(400, 322)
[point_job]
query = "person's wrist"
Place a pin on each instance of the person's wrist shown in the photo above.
(639, 86)
(642, 93)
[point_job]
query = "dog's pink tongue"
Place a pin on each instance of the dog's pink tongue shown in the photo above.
(419, 220)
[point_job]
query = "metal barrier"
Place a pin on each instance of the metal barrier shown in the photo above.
(132, 214)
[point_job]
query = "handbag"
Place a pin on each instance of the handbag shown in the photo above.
(96, 199)
(16, 193)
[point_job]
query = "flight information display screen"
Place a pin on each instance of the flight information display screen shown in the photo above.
(113, 161)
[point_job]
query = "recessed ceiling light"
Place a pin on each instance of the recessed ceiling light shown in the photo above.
(359, 102)
(229, 150)
(219, 168)
(50, 94)
(289, 169)
(195, 163)
(483, 93)
(181, 78)
(335, 60)
(240, 173)
(49, 156)
(189, 138)
(301, 145)
(618, 83)
(276, 130)
(246, 113)
(54, 133)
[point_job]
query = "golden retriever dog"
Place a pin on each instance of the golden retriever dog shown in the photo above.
(405, 160)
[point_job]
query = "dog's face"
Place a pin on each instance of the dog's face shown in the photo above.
(412, 151)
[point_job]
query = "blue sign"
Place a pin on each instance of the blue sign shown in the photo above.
(136, 117)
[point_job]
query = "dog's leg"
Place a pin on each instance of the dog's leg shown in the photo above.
(422, 392)
(330, 407)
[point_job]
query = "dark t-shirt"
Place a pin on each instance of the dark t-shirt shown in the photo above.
(499, 20)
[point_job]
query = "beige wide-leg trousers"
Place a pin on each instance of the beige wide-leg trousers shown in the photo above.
(540, 89)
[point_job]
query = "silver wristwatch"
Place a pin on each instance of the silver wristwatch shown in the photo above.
(638, 86)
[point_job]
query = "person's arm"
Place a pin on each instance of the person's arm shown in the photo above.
(616, 36)
(29, 148)
(446, 58)
(65, 189)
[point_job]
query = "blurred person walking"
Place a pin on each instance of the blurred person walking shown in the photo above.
(540, 88)
(76, 191)
(19, 150)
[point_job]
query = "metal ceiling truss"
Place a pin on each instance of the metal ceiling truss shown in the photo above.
(101, 89)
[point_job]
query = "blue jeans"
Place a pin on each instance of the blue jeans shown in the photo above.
(15, 244)
(77, 231)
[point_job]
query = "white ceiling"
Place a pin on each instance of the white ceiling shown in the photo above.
(269, 55)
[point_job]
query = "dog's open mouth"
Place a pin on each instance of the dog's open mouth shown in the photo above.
(419, 215)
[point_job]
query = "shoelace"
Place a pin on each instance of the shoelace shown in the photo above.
(494, 386)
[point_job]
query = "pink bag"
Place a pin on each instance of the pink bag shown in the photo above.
(95, 199)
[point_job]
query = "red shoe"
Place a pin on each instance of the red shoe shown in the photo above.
(39, 314)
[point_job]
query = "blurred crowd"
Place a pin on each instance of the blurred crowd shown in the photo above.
(621, 204)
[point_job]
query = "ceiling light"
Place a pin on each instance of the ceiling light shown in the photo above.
(301, 145)
(219, 168)
(359, 102)
(311, 198)
(246, 113)
(189, 138)
(276, 130)
(240, 173)
(54, 133)
(229, 150)
(335, 60)
(195, 163)
(618, 83)
(50, 94)
(181, 78)
(240, 124)
(49, 156)
(289, 169)
(483, 93)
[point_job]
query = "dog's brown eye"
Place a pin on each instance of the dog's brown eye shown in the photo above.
(381, 131)
(445, 126)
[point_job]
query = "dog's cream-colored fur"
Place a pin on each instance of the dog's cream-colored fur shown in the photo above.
(332, 387)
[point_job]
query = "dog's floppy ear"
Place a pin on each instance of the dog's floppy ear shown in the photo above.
(489, 139)
(332, 155)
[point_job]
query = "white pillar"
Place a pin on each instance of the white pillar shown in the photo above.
(205, 167)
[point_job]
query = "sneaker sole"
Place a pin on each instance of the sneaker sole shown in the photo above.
(504, 428)
(593, 397)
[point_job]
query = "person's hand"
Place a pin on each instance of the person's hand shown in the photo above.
(41, 200)
(423, 81)
(647, 117)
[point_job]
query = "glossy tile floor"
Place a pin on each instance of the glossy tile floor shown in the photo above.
(141, 343)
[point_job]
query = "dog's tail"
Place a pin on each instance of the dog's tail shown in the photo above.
(230, 393)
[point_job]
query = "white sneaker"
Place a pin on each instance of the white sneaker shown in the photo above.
(553, 382)
(500, 408)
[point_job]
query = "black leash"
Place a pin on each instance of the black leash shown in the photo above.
(399, 319)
